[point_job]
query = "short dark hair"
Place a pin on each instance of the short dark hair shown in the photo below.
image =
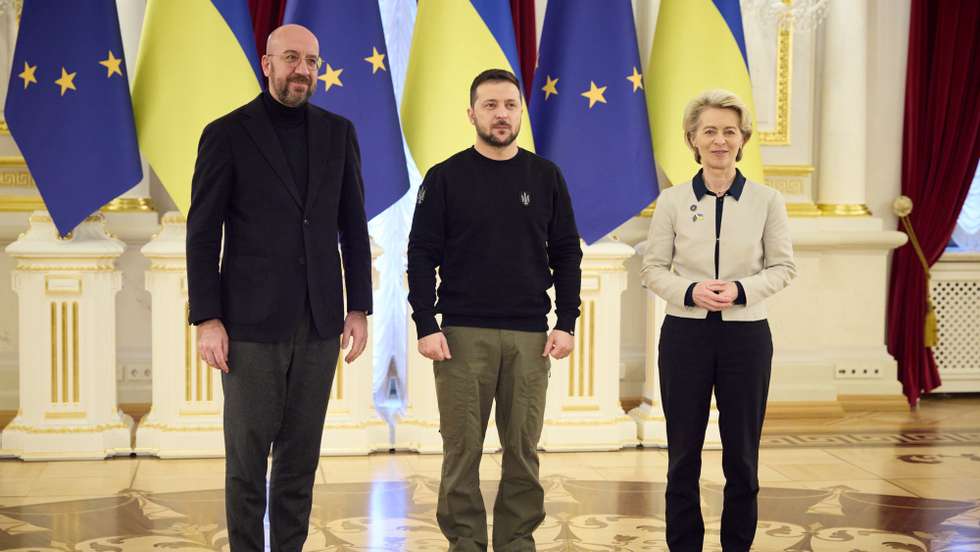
(492, 75)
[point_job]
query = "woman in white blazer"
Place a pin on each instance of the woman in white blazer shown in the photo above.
(718, 247)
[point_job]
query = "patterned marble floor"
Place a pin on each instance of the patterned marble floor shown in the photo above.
(914, 487)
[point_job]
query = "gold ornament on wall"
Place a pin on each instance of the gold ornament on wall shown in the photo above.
(902, 207)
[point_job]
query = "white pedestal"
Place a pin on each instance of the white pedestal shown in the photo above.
(650, 420)
(584, 410)
(418, 429)
(352, 425)
(67, 348)
(185, 420)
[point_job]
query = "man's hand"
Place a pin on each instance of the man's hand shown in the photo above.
(705, 296)
(560, 344)
(212, 344)
(355, 327)
(435, 347)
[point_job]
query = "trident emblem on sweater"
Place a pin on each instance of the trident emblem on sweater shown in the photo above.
(525, 198)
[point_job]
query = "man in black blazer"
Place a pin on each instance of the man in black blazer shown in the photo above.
(282, 179)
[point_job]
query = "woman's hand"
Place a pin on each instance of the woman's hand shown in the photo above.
(715, 295)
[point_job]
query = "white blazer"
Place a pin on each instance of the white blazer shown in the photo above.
(755, 248)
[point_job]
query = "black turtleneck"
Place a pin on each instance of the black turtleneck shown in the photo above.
(290, 126)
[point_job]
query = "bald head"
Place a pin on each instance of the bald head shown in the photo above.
(291, 64)
(292, 36)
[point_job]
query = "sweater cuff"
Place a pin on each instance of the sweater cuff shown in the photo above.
(426, 326)
(566, 323)
(689, 296)
(740, 298)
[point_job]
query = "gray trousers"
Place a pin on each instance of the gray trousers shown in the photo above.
(275, 397)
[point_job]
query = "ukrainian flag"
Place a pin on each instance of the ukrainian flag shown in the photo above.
(453, 42)
(197, 61)
(698, 45)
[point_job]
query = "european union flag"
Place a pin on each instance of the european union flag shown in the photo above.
(355, 83)
(589, 112)
(68, 107)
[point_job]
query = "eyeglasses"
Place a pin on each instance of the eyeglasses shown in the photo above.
(292, 59)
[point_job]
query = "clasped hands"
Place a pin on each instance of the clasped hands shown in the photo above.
(715, 295)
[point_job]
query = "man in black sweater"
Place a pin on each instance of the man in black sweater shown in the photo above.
(497, 221)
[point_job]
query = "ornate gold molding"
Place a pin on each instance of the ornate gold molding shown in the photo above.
(174, 428)
(788, 170)
(844, 209)
(105, 264)
(580, 408)
(129, 205)
(784, 78)
(14, 174)
(161, 267)
(12, 161)
(65, 429)
(97, 217)
(803, 210)
(21, 204)
(174, 218)
(648, 212)
(791, 180)
(65, 415)
(3, 127)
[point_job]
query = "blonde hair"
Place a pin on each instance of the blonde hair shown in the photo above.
(720, 99)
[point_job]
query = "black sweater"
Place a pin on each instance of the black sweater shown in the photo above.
(291, 129)
(501, 233)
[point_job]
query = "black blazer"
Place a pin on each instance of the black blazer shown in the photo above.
(277, 251)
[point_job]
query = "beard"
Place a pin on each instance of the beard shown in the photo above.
(289, 97)
(490, 138)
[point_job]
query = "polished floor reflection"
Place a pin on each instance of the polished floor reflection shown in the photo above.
(873, 489)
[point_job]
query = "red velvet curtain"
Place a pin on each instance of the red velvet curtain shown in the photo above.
(940, 147)
(266, 16)
(526, 32)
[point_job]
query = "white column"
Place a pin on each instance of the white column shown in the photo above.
(584, 411)
(352, 424)
(843, 111)
(649, 416)
(418, 429)
(185, 419)
(67, 348)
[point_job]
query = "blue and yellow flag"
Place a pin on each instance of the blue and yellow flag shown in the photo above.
(197, 62)
(454, 41)
(699, 45)
(68, 107)
(356, 84)
(589, 112)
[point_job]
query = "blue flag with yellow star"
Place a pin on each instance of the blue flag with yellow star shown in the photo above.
(355, 82)
(589, 112)
(68, 107)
